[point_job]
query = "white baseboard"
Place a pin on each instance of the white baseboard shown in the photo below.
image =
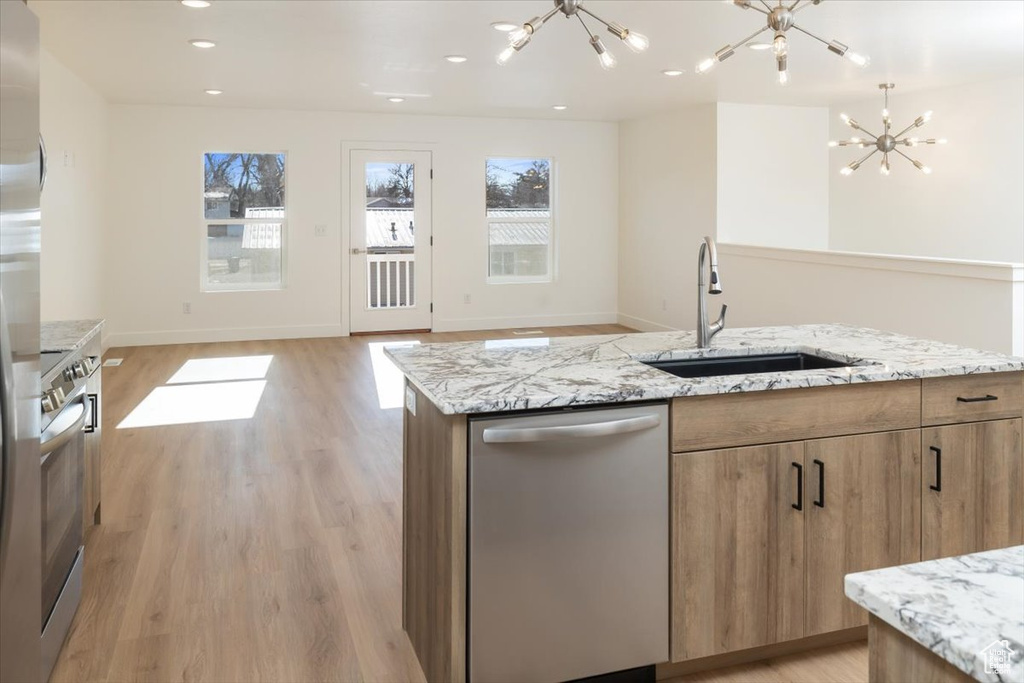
(643, 325)
(500, 323)
(221, 335)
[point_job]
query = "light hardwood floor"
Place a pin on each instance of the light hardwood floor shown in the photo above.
(269, 549)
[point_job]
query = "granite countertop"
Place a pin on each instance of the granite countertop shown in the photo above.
(531, 373)
(67, 335)
(956, 607)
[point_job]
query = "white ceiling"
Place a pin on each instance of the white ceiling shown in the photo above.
(349, 56)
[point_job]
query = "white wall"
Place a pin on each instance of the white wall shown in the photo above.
(666, 206)
(970, 207)
(73, 121)
(153, 264)
(773, 175)
(978, 305)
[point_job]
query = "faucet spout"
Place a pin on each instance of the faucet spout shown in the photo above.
(705, 330)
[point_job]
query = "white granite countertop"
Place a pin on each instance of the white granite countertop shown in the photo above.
(67, 335)
(956, 607)
(531, 373)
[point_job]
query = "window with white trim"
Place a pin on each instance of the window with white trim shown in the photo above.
(244, 221)
(519, 219)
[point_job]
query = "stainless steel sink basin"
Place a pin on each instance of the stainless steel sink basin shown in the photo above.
(745, 365)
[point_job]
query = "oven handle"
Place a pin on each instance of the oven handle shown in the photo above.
(64, 436)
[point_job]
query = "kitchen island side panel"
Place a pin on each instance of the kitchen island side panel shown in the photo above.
(434, 538)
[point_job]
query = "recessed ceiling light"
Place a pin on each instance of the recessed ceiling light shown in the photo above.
(456, 59)
(396, 100)
(202, 43)
(504, 26)
(213, 92)
(560, 107)
(672, 72)
(196, 4)
(759, 46)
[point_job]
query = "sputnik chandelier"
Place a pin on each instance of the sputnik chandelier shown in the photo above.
(519, 38)
(886, 143)
(780, 20)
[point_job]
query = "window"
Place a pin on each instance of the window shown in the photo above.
(519, 220)
(244, 221)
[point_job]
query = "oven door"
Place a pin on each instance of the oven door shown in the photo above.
(62, 448)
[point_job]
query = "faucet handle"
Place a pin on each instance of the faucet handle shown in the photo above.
(721, 318)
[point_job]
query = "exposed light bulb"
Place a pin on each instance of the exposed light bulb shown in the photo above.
(833, 143)
(608, 61)
(779, 45)
(505, 55)
(884, 168)
(885, 113)
(856, 141)
(926, 170)
(637, 42)
(846, 170)
(856, 58)
(942, 141)
(519, 35)
(705, 65)
(927, 116)
(845, 119)
(783, 77)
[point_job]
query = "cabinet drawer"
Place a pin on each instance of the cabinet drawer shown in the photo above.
(761, 417)
(972, 398)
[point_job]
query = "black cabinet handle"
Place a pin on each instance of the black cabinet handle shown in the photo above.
(799, 504)
(937, 486)
(820, 502)
(977, 399)
(94, 409)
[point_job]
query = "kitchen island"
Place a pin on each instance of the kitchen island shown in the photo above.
(781, 483)
(955, 619)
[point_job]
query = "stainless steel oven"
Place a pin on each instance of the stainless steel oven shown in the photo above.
(67, 410)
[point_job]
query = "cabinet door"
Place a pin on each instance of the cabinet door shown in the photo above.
(972, 488)
(737, 549)
(867, 516)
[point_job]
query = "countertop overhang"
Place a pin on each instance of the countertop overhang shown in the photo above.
(538, 372)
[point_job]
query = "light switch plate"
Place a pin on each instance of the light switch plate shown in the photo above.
(410, 400)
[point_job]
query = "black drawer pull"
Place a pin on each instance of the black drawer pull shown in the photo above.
(799, 504)
(977, 399)
(820, 502)
(937, 486)
(94, 410)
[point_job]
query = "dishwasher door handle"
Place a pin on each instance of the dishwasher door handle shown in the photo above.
(591, 429)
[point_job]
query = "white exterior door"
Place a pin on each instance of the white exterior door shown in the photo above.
(389, 261)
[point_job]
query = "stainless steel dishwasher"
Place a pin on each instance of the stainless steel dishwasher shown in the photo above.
(568, 543)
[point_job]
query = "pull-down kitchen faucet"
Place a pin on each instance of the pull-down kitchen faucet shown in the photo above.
(706, 331)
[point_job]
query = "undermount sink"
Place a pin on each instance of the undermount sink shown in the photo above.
(745, 365)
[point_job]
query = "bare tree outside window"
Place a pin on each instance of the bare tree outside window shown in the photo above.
(391, 184)
(518, 201)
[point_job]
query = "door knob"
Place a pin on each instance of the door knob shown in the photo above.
(358, 251)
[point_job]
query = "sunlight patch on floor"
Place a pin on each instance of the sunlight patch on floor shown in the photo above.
(387, 376)
(221, 369)
(190, 403)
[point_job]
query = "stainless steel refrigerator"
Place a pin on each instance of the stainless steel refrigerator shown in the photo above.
(22, 169)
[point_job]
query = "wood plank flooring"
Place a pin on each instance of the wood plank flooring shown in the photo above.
(267, 549)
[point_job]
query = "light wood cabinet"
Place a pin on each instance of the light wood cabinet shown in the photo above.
(737, 549)
(972, 488)
(864, 513)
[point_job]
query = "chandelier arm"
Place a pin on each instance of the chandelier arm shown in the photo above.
(585, 27)
(749, 5)
(905, 130)
(795, 8)
(767, 6)
(900, 152)
(806, 32)
(867, 156)
(583, 9)
(750, 38)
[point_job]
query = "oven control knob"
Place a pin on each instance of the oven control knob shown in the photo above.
(79, 369)
(89, 364)
(53, 399)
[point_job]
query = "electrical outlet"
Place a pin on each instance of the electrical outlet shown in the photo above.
(468, 299)
(186, 308)
(320, 230)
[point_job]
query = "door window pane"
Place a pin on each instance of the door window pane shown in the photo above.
(518, 199)
(390, 235)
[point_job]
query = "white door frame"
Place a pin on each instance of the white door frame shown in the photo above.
(346, 215)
